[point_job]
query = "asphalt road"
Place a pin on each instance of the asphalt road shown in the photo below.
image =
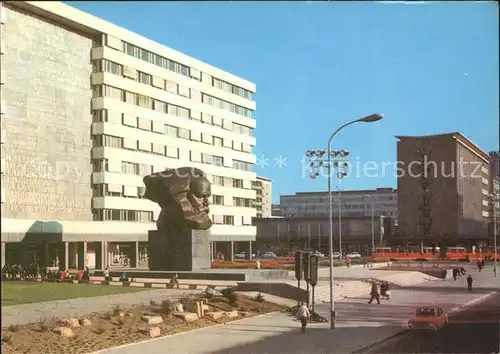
(476, 329)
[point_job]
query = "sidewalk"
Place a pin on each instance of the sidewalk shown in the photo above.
(358, 325)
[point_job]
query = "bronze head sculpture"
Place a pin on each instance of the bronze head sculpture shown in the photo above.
(182, 194)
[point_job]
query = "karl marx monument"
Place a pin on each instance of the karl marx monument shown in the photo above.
(181, 241)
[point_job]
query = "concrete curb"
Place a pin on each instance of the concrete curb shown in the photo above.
(403, 331)
(134, 284)
(102, 351)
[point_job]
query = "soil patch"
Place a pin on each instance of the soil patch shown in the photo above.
(122, 326)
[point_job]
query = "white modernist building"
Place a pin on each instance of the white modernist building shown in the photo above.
(88, 109)
(263, 200)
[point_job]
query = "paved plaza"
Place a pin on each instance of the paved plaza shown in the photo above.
(358, 324)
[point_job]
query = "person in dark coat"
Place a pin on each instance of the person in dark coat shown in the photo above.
(374, 294)
(469, 283)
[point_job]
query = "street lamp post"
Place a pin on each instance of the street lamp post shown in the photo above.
(340, 218)
(495, 200)
(318, 163)
(372, 200)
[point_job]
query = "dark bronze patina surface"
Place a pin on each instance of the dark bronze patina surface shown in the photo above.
(182, 194)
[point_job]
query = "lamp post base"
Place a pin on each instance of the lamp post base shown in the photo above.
(332, 319)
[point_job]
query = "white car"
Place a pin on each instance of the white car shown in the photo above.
(337, 255)
(353, 255)
(243, 255)
(319, 254)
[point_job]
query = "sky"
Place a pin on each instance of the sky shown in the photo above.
(428, 67)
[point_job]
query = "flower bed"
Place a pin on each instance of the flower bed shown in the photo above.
(266, 264)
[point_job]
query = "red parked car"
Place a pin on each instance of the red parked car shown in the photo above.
(428, 318)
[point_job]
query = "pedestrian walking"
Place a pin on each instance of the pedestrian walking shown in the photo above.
(374, 294)
(303, 315)
(469, 283)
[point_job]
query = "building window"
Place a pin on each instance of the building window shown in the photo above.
(218, 199)
(100, 115)
(242, 202)
(98, 190)
(156, 59)
(178, 111)
(107, 140)
(227, 87)
(212, 160)
(242, 129)
(108, 91)
(217, 141)
(130, 168)
(144, 78)
(218, 181)
(100, 165)
(144, 101)
(237, 183)
(242, 165)
(122, 215)
(228, 220)
(160, 106)
(218, 160)
(171, 131)
(113, 68)
(227, 106)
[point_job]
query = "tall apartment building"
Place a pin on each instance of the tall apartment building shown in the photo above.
(87, 110)
(354, 203)
(263, 199)
(443, 189)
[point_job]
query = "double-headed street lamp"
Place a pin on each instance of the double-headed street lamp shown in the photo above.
(316, 162)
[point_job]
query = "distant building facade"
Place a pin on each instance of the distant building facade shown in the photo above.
(354, 203)
(443, 189)
(263, 200)
(283, 235)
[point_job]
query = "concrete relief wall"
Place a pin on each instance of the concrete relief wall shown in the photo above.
(47, 120)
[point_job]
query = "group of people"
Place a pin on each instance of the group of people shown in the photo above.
(35, 272)
(456, 271)
(375, 294)
(19, 271)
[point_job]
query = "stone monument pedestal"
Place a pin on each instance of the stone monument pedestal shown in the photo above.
(179, 250)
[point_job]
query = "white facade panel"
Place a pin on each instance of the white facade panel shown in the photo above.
(129, 143)
(113, 42)
(115, 165)
(143, 123)
(129, 120)
(130, 191)
(129, 72)
(116, 188)
(158, 82)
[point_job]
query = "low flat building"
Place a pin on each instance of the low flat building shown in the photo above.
(283, 235)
